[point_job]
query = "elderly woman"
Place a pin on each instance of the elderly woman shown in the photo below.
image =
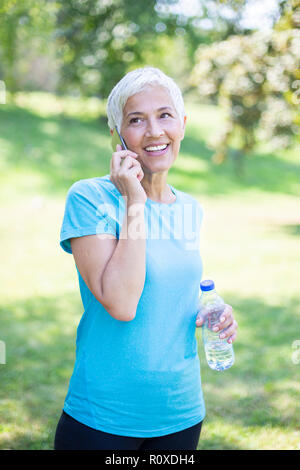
(135, 240)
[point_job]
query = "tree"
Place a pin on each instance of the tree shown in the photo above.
(97, 41)
(20, 21)
(254, 78)
(100, 40)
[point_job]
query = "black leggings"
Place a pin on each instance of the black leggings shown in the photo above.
(72, 435)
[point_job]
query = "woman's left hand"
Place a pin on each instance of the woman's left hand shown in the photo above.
(227, 325)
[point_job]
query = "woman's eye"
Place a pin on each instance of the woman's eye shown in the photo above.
(165, 115)
(135, 120)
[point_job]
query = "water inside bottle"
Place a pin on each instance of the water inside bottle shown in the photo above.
(219, 354)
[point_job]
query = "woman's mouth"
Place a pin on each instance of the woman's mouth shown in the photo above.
(156, 150)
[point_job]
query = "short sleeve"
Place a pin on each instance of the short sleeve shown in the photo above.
(87, 212)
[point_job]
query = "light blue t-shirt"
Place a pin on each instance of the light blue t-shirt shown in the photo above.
(139, 378)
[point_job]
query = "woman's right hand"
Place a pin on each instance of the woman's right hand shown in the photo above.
(126, 173)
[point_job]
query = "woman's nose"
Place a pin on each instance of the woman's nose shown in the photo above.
(154, 129)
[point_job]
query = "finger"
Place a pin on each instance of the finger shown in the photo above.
(232, 338)
(228, 331)
(117, 158)
(226, 313)
(224, 325)
(140, 173)
(128, 164)
(124, 153)
(226, 319)
(136, 170)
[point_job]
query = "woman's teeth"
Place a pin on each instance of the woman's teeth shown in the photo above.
(156, 148)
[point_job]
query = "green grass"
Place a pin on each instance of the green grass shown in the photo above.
(250, 247)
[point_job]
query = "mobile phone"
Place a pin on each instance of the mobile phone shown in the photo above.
(117, 139)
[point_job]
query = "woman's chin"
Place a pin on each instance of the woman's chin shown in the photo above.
(155, 169)
(156, 166)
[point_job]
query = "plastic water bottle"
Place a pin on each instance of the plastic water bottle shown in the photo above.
(219, 353)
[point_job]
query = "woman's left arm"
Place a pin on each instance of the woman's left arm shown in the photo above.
(227, 325)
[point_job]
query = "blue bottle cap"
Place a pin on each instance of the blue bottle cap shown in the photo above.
(206, 285)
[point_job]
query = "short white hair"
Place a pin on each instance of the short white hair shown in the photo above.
(134, 82)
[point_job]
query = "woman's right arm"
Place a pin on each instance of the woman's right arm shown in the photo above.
(114, 270)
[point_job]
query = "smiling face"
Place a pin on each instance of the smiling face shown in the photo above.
(152, 128)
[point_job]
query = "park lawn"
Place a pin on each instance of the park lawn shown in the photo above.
(250, 246)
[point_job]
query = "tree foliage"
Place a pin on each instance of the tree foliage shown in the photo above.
(254, 76)
(97, 41)
(100, 40)
(20, 22)
(256, 79)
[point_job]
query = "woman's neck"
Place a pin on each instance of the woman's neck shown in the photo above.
(157, 189)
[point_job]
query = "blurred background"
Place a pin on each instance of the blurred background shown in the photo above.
(237, 62)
